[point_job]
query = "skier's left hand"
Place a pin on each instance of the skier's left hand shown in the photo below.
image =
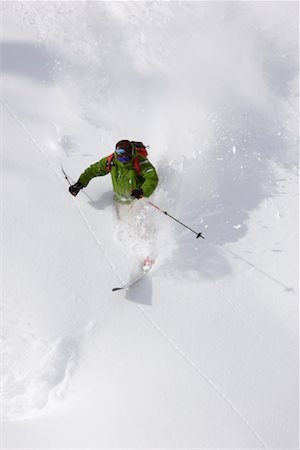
(137, 193)
(75, 188)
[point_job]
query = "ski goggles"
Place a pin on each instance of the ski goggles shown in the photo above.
(122, 155)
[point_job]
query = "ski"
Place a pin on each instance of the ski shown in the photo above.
(148, 263)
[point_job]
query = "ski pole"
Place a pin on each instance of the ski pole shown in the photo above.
(70, 183)
(66, 176)
(176, 220)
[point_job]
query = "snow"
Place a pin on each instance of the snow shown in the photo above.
(203, 352)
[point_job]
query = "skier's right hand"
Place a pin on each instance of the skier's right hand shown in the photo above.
(75, 188)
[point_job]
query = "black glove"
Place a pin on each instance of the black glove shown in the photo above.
(75, 188)
(137, 193)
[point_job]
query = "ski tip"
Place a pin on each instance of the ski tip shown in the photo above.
(117, 289)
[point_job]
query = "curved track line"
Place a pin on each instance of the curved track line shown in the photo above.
(267, 275)
(204, 376)
(57, 173)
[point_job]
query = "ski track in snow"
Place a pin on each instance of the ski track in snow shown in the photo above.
(52, 166)
(263, 272)
(203, 375)
(29, 390)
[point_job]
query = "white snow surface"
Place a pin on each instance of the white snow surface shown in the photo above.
(203, 352)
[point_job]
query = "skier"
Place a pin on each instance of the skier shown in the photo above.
(133, 176)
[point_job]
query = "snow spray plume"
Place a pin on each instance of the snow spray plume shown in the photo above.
(176, 220)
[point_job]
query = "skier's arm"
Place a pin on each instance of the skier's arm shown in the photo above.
(95, 170)
(150, 176)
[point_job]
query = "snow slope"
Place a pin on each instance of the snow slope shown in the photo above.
(203, 353)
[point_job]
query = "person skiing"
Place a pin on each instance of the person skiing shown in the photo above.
(133, 176)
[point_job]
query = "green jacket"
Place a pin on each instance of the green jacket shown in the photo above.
(124, 177)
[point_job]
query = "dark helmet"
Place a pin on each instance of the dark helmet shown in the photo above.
(125, 145)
